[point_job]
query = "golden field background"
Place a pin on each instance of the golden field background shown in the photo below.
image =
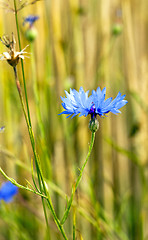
(77, 46)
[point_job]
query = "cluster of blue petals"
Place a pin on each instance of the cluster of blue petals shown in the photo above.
(8, 191)
(2, 129)
(80, 103)
(31, 19)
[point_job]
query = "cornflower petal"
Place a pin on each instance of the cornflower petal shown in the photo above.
(8, 191)
(31, 19)
(98, 96)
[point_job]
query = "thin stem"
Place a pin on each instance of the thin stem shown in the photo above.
(30, 134)
(74, 223)
(28, 121)
(20, 95)
(78, 180)
(89, 152)
(38, 113)
(19, 185)
(22, 65)
(37, 162)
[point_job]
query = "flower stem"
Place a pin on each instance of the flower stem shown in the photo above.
(89, 152)
(47, 167)
(78, 180)
(27, 118)
(22, 65)
(41, 181)
(74, 223)
(19, 185)
(30, 133)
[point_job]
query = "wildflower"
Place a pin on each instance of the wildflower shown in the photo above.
(31, 19)
(31, 32)
(8, 191)
(2, 129)
(117, 27)
(80, 103)
(12, 56)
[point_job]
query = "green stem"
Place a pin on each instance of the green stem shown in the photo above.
(22, 65)
(19, 185)
(28, 121)
(31, 136)
(74, 223)
(47, 167)
(55, 189)
(89, 152)
(78, 180)
(37, 162)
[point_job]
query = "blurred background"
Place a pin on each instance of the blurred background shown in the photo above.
(92, 44)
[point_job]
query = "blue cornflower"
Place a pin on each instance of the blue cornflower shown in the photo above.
(80, 103)
(8, 191)
(30, 19)
(2, 129)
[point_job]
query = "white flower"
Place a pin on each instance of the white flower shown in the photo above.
(12, 56)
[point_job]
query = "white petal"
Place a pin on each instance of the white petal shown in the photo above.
(7, 55)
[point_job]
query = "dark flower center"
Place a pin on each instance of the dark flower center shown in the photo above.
(92, 111)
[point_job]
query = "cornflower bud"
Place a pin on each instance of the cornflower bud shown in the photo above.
(93, 124)
(117, 29)
(31, 32)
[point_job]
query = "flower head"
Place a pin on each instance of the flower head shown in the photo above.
(80, 103)
(2, 129)
(8, 191)
(31, 20)
(31, 32)
(12, 56)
